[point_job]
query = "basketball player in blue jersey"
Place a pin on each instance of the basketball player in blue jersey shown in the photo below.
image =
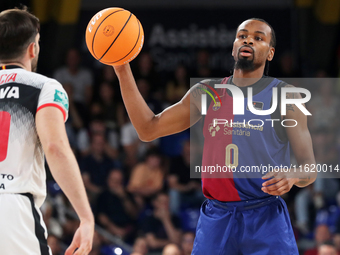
(241, 216)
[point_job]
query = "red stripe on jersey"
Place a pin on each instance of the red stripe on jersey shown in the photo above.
(5, 123)
(219, 186)
(54, 105)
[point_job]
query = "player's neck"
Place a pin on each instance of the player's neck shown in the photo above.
(243, 78)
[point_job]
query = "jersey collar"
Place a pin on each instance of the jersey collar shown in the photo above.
(257, 86)
(5, 67)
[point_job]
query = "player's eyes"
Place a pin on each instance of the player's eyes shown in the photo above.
(242, 36)
(258, 38)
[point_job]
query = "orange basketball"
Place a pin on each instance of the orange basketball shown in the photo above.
(114, 36)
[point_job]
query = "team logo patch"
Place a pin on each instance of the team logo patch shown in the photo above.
(257, 106)
(213, 130)
(60, 97)
(216, 106)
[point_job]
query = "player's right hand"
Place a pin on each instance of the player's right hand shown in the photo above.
(82, 240)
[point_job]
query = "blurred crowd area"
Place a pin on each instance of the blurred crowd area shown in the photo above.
(141, 193)
(142, 196)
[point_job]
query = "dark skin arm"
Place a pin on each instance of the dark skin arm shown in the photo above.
(301, 144)
(149, 126)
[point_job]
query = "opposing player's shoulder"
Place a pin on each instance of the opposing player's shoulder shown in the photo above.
(49, 82)
(34, 75)
(35, 80)
(53, 82)
(53, 94)
(53, 87)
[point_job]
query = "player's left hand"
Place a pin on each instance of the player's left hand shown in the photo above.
(279, 183)
(82, 240)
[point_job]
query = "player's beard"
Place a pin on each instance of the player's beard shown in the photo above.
(34, 64)
(245, 64)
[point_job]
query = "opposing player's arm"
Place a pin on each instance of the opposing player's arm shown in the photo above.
(300, 140)
(149, 126)
(65, 170)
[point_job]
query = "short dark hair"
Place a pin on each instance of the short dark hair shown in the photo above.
(273, 37)
(18, 28)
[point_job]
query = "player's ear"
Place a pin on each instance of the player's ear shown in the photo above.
(271, 54)
(32, 52)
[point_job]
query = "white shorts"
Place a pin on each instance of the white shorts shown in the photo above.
(22, 230)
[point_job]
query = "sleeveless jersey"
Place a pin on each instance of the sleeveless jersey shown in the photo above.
(22, 94)
(242, 146)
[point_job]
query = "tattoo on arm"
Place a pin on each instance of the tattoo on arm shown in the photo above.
(197, 90)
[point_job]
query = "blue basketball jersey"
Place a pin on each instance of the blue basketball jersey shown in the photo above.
(250, 144)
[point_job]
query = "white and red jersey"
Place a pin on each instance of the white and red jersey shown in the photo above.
(22, 95)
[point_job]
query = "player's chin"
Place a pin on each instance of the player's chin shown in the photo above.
(246, 58)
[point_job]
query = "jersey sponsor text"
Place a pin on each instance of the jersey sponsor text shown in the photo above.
(5, 78)
(9, 92)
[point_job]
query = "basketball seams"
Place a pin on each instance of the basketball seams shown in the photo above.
(133, 46)
(94, 36)
(116, 36)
